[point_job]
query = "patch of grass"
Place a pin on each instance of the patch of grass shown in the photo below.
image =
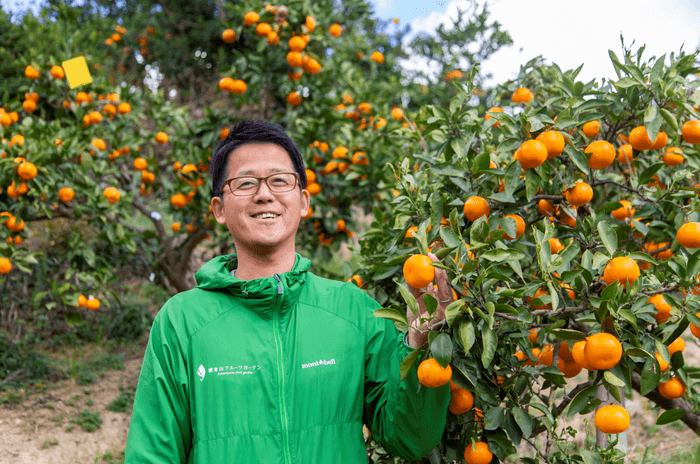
(110, 457)
(49, 442)
(88, 420)
(58, 419)
(71, 402)
(124, 401)
(653, 455)
(11, 397)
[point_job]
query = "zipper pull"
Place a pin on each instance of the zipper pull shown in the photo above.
(279, 284)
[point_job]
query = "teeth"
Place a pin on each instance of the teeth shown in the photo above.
(265, 216)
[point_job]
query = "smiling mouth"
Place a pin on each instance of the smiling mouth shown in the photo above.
(266, 216)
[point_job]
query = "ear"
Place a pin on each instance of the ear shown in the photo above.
(305, 202)
(217, 208)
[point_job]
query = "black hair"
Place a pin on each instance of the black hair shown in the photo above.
(247, 131)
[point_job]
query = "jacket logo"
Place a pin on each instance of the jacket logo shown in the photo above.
(201, 372)
(321, 362)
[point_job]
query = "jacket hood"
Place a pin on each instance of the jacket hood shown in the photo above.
(260, 295)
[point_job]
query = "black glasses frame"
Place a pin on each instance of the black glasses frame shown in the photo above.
(260, 181)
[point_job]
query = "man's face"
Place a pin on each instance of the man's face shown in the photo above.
(237, 212)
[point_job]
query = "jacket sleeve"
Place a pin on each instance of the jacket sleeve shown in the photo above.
(407, 422)
(160, 430)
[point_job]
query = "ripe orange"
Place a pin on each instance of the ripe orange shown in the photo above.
(432, 374)
(623, 212)
(533, 335)
(310, 24)
(397, 113)
(694, 329)
(29, 106)
(553, 141)
(178, 200)
(5, 265)
(660, 141)
(602, 351)
(251, 18)
(478, 453)
(621, 269)
(357, 280)
(294, 99)
(579, 194)
(519, 226)
(239, 87)
(691, 132)
(545, 208)
(612, 419)
(82, 301)
(555, 245)
(111, 194)
(228, 36)
(124, 108)
(532, 153)
(377, 57)
(66, 194)
(360, 158)
(579, 355)
(335, 30)
(639, 139)
(99, 144)
(522, 95)
(461, 400)
(625, 154)
(493, 109)
(175, 226)
(540, 292)
(689, 235)
(672, 389)
(602, 154)
(295, 59)
(418, 271)
(226, 84)
(263, 29)
(57, 72)
(92, 304)
(663, 309)
(475, 207)
(273, 38)
(140, 164)
(296, 44)
(27, 171)
(31, 72)
(673, 156)
(161, 137)
(591, 128)
(677, 345)
(662, 364)
(310, 176)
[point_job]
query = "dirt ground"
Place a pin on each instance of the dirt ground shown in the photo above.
(34, 432)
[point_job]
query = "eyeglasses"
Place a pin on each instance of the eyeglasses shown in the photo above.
(278, 182)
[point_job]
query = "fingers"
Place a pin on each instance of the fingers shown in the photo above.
(444, 293)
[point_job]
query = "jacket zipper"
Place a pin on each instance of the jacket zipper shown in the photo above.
(280, 373)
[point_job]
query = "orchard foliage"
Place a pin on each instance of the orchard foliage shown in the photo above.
(556, 278)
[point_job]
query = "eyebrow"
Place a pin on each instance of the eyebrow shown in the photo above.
(270, 170)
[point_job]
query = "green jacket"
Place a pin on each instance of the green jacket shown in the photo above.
(283, 369)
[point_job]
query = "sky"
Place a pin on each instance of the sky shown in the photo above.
(564, 32)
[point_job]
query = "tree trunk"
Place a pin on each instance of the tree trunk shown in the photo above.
(601, 439)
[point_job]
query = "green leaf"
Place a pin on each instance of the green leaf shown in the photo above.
(579, 159)
(581, 400)
(645, 176)
(625, 82)
(500, 255)
(493, 418)
(466, 335)
(652, 120)
(669, 416)
(650, 377)
(567, 335)
(532, 183)
(409, 299)
(453, 310)
(490, 340)
(612, 379)
(408, 363)
(608, 236)
(441, 349)
(524, 420)
(430, 302)
(395, 315)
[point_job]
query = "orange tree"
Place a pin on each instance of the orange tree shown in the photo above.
(571, 249)
(126, 167)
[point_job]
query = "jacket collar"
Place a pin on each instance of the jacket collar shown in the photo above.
(259, 295)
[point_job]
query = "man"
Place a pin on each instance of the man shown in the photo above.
(264, 362)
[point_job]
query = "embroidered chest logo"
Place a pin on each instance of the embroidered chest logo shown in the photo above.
(320, 362)
(226, 370)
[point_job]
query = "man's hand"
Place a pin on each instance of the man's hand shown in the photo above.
(443, 295)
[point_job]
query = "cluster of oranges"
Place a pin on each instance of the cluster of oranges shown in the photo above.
(90, 303)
